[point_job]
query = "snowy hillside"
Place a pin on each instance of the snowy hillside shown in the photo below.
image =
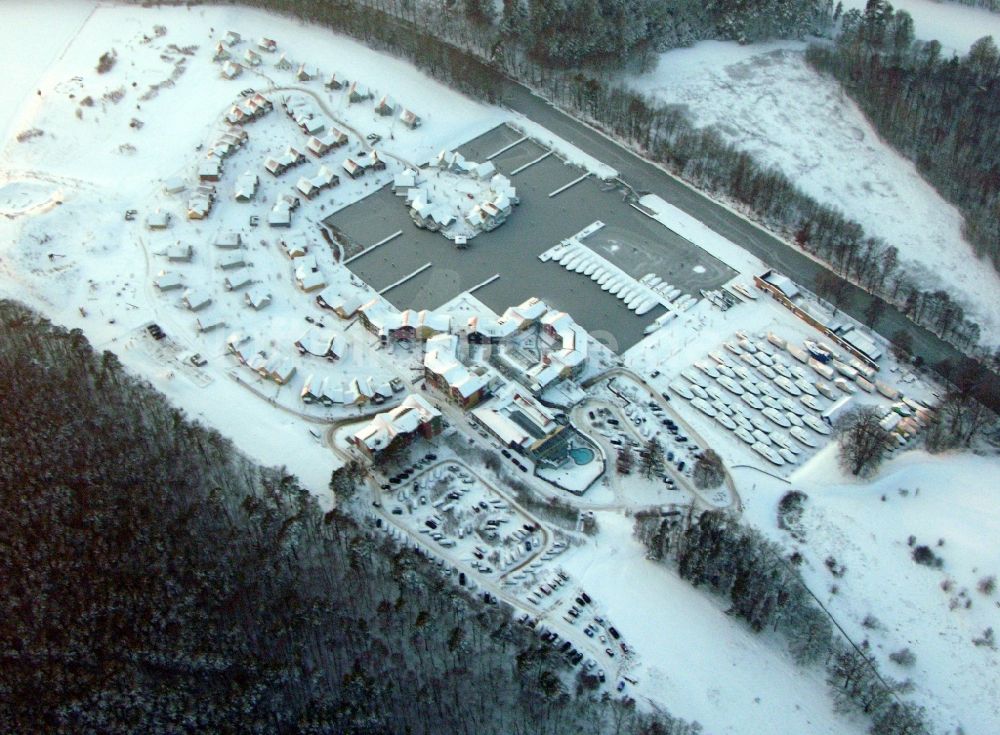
(765, 99)
(947, 503)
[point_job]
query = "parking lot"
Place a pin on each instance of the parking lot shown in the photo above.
(634, 242)
(481, 539)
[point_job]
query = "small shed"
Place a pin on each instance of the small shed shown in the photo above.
(386, 106)
(228, 240)
(195, 300)
(168, 281)
(257, 297)
(231, 70)
(409, 119)
(158, 220)
(238, 279)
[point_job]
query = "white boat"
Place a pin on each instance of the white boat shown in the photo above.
(725, 421)
(811, 403)
(789, 405)
(654, 281)
(708, 368)
(826, 389)
(760, 423)
(724, 407)
(584, 264)
(727, 371)
(605, 276)
(646, 306)
(673, 293)
(744, 435)
(617, 285)
(565, 256)
(764, 359)
(802, 436)
(748, 345)
(705, 407)
(752, 401)
(761, 436)
(816, 425)
(609, 283)
(749, 386)
(625, 291)
(719, 358)
(682, 390)
(731, 385)
(793, 419)
(764, 346)
(750, 359)
(846, 386)
(782, 370)
(767, 389)
(743, 290)
(741, 420)
(695, 377)
(787, 455)
(783, 440)
(744, 372)
(771, 402)
(769, 454)
(699, 392)
(806, 386)
(733, 347)
(788, 386)
(637, 300)
(777, 417)
(767, 372)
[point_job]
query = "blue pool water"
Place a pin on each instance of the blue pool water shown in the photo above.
(581, 455)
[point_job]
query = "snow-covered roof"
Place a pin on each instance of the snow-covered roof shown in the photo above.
(258, 296)
(406, 418)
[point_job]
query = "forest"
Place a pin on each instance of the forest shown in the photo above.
(764, 589)
(155, 580)
(940, 111)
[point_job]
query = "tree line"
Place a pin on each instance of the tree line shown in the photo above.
(940, 111)
(736, 561)
(155, 580)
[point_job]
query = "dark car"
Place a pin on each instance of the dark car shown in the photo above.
(614, 633)
(614, 422)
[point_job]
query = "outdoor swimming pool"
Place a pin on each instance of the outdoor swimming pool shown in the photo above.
(581, 455)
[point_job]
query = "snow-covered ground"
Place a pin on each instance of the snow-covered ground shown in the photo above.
(767, 100)
(27, 56)
(956, 26)
(936, 613)
(693, 656)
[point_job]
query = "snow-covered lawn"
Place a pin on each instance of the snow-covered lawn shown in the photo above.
(935, 612)
(956, 26)
(765, 99)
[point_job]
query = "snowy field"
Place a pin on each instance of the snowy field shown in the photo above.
(765, 99)
(935, 612)
(955, 26)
